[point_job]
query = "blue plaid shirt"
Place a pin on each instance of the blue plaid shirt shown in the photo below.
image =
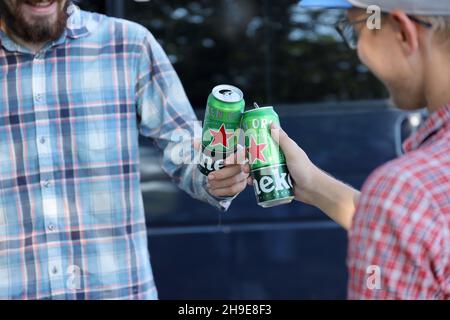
(72, 222)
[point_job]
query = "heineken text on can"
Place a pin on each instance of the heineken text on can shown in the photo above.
(220, 129)
(271, 178)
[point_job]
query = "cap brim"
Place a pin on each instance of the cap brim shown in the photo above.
(326, 4)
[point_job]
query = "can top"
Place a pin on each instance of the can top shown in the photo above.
(262, 109)
(228, 94)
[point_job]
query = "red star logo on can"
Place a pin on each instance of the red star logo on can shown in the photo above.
(220, 137)
(255, 151)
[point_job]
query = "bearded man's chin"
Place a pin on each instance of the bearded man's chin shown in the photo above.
(41, 29)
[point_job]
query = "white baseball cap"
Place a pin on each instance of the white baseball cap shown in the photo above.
(413, 7)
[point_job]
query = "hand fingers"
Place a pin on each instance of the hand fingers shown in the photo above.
(229, 182)
(230, 191)
(226, 172)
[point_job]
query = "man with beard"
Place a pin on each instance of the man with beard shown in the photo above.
(399, 224)
(76, 89)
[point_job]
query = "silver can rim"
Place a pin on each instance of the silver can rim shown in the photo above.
(261, 108)
(220, 97)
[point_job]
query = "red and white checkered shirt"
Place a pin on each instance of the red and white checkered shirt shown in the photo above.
(399, 244)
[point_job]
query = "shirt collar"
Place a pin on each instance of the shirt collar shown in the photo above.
(432, 125)
(77, 26)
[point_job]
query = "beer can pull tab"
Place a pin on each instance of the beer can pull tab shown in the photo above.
(256, 105)
(227, 93)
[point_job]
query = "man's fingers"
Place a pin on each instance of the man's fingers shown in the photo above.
(230, 191)
(226, 173)
(220, 184)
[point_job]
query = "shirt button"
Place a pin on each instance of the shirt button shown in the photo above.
(46, 184)
(38, 97)
(42, 140)
(51, 227)
(54, 270)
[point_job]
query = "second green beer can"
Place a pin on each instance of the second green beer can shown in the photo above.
(221, 127)
(271, 178)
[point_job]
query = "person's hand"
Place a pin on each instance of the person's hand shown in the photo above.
(232, 179)
(314, 186)
(302, 170)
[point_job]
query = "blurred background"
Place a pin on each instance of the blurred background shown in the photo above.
(272, 49)
(280, 55)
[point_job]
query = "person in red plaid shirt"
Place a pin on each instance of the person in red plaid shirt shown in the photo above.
(399, 224)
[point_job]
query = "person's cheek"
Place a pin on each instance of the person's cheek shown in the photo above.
(362, 52)
(370, 56)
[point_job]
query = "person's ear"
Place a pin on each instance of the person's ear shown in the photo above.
(406, 31)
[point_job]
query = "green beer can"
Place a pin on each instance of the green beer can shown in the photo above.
(271, 178)
(221, 127)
